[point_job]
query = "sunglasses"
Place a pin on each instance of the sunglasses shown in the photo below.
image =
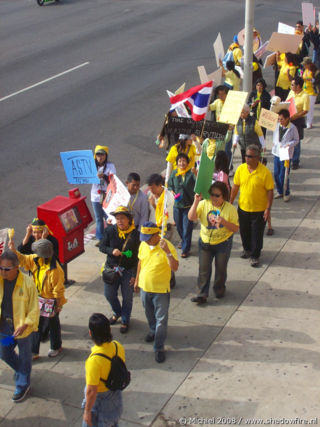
(250, 157)
(215, 195)
(7, 268)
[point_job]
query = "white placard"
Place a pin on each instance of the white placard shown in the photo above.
(308, 15)
(285, 29)
(284, 153)
(3, 239)
(218, 49)
(116, 195)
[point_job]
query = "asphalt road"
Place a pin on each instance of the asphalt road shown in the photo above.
(128, 52)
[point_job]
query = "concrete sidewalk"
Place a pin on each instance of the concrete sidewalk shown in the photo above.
(253, 355)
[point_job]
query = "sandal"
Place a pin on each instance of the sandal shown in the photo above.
(124, 328)
(113, 319)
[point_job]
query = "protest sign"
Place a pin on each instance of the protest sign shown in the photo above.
(284, 153)
(203, 74)
(116, 195)
(180, 89)
(216, 77)
(262, 49)
(270, 60)
(268, 119)
(308, 14)
(188, 126)
(285, 29)
(80, 167)
(218, 49)
(241, 35)
(284, 42)
(232, 107)
(3, 239)
(292, 107)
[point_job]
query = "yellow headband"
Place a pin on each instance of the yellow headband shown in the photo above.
(150, 230)
(38, 227)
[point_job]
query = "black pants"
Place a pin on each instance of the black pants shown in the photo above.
(252, 227)
(55, 333)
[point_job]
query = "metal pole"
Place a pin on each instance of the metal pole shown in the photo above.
(247, 79)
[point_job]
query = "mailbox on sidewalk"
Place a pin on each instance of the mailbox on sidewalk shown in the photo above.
(66, 218)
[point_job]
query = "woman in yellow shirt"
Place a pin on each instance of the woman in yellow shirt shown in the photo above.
(308, 79)
(232, 76)
(184, 145)
(286, 74)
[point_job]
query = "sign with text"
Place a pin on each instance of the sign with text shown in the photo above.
(232, 107)
(308, 14)
(285, 29)
(284, 42)
(268, 119)
(116, 195)
(80, 167)
(187, 126)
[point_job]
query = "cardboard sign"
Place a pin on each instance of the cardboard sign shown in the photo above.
(180, 89)
(216, 77)
(116, 195)
(3, 239)
(232, 107)
(80, 167)
(268, 119)
(204, 78)
(292, 107)
(270, 60)
(308, 14)
(284, 42)
(262, 49)
(218, 49)
(186, 126)
(241, 36)
(285, 29)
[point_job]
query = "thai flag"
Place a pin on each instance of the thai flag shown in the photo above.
(197, 99)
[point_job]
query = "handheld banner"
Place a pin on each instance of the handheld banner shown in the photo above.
(268, 119)
(284, 42)
(80, 167)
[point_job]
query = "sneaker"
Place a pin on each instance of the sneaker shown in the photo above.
(254, 262)
(113, 319)
(286, 198)
(245, 255)
(54, 353)
(278, 196)
(160, 356)
(149, 337)
(199, 300)
(19, 396)
(124, 328)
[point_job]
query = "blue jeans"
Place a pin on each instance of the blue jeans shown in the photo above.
(221, 254)
(296, 154)
(111, 294)
(184, 227)
(21, 364)
(99, 214)
(156, 307)
(228, 149)
(279, 173)
(107, 409)
(55, 333)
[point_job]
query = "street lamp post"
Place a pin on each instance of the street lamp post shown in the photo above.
(247, 79)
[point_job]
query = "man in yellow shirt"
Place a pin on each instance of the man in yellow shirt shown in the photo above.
(19, 310)
(157, 258)
(302, 102)
(101, 405)
(256, 195)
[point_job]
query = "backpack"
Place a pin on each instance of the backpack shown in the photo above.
(119, 377)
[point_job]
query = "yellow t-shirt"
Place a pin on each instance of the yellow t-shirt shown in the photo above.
(308, 86)
(301, 100)
(209, 233)
(253, 187)
(217, 106)
(155, 271)
(237, 55)
(190, 152)
(232, 80)
(99, 367)
(283, 80)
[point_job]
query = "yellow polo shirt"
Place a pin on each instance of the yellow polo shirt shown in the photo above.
(155, 273)
(232, 80)
(253, 187)
(98, 367)
(308, 86)
(211, 234)
(217, 106)
(283, 80)
(301, 100)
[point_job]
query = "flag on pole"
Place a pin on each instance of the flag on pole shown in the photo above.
(197, 99)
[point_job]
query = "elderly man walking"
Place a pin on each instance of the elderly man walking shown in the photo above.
(19, 310)
(157, 258)
(256, 195)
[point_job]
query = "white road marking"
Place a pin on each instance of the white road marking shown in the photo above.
(44, 81)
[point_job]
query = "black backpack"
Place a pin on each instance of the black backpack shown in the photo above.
(119, 377)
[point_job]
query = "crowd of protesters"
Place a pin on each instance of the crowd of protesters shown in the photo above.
(139, 244)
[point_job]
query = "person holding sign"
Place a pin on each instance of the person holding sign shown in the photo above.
(231, 75)
(302, 104)
(19, 311)
(219, 220)
(259, 98)
(217, 105)
(98, 191)
(254, 180)
(286, 73)
(285, 137)
(308, 86)
(247, 132)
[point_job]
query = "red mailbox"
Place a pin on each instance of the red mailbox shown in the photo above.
(67, 217)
